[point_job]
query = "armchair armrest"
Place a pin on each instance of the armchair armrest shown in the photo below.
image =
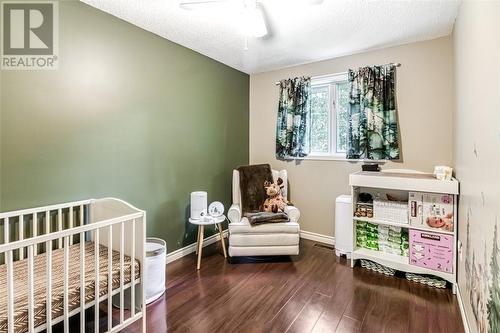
(234, 213)
(293, 213)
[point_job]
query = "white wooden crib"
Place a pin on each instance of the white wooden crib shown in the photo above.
(47, 250)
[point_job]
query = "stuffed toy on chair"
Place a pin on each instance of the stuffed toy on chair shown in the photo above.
(276, 203)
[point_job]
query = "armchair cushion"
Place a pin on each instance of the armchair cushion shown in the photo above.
(244, 227)
(281, 239)
(234, 214)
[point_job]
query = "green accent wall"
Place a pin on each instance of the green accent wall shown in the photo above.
(128, 114)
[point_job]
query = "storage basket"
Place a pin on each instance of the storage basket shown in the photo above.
(393, 211)
(426, 279)
(371, 265)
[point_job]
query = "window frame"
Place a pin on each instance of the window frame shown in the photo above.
(331, 81)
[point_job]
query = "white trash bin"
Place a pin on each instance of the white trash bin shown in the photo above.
(343, 226)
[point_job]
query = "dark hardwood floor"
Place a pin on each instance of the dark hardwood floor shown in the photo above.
(313, 292)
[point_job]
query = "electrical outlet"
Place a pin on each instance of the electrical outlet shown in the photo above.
(460, 252)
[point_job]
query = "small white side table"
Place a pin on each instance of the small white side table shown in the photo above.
(201, 225)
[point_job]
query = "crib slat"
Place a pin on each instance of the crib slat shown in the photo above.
(122, 245)
(48, 307)
(82, 282)
(35, 231)
(47, 222)
(110, 277)
(66, 274)
(10, 290)
(59, 226)
(47, 226)
(96, 289)
(31, 314)
(21, 235)
(132, 272)
(6, 230)
(82, 207)
(71, 223)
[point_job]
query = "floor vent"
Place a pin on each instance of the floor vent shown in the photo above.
(324, 246)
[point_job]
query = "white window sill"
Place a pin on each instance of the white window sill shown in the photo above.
(339, 157)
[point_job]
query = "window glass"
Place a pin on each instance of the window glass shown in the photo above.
(342, 116)
(329, 116)
(320, 119)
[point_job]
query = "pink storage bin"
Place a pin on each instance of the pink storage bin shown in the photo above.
(431, 250)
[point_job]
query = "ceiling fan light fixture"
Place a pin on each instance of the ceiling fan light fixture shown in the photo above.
(254, 24)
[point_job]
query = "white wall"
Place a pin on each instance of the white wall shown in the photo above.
(476, 40)
(425, 101)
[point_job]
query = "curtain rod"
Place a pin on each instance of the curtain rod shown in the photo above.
(397, 64)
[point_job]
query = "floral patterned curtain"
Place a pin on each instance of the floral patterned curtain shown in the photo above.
(293, 126)
(373, 127)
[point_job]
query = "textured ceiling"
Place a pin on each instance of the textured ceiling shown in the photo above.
(300, 31)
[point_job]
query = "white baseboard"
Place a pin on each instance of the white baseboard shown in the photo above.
(330, 240)
(462, 311)
(184, 251)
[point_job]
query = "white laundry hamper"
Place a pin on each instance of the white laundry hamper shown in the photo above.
(154, 281)
(156, 260)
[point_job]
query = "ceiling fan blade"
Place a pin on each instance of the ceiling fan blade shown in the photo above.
(314, 2)
(202, 4)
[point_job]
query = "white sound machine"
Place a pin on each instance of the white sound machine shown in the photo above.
(198, 204)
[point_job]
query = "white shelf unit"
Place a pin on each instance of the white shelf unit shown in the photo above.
(402, 182)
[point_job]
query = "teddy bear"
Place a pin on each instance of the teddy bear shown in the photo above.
(276, 202)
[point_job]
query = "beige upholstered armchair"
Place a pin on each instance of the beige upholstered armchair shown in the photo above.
(264, 239)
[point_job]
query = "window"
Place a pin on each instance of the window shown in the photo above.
(329, 116)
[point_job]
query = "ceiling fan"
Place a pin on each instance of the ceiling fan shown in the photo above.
(253, 18)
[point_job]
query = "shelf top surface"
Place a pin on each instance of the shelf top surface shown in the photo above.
(209, 220)
(404, 181)
(420, 176)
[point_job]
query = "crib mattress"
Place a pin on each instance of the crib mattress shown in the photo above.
(40, 278)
